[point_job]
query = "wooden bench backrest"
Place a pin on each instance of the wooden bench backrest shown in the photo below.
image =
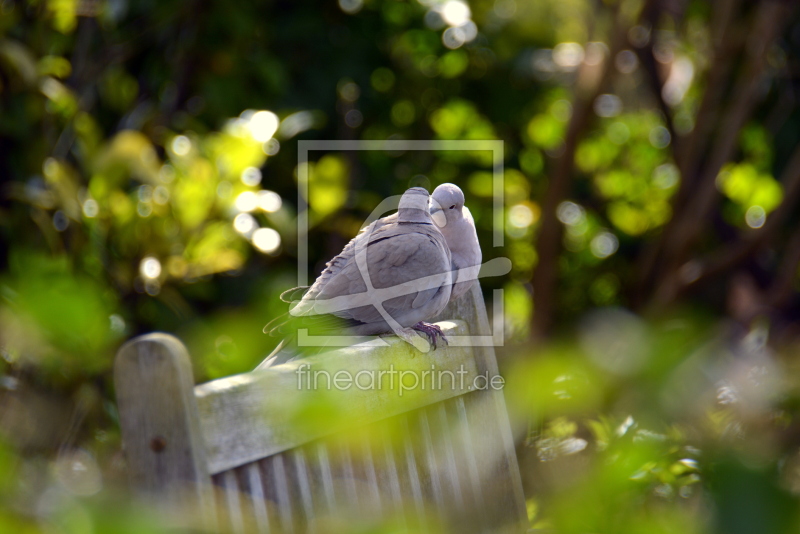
(263, 452)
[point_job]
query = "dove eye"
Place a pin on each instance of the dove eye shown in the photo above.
(453, 206)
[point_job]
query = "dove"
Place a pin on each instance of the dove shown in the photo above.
(408, 267)
(456, 224)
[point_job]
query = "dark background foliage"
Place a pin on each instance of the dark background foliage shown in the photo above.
(651, 175)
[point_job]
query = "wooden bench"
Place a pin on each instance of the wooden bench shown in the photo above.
(263, 452)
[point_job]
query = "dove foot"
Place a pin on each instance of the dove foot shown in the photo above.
(432, 332)
(410, 336)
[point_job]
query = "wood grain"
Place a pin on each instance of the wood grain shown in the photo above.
(251, 416)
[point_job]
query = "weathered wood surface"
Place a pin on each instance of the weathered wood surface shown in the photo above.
(160, 423)
(486, 417)
(251, 416)
(435, 469)
(284, 458)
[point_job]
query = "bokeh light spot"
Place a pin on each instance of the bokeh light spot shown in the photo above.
(266, 240)
(570, 213)
(604, 244)
(160, 195)
(166, 173)
(626, 62)
(150, 268)
(568, 55)
(271, 147)
(660, 137)
(455, 12)
(90, 208)
(608, 105)
(269, 201)
(520, 216)
(251, 176)
(349, 91)
(181, 145)
(353, 118)
(247, 201)
(244, 223)
(453, 38)
(666, 176)
(263, 125)
(505, 9)
(351, 6)
(755, 217)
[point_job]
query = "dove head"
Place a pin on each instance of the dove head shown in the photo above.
(414, 206)
(447, 202)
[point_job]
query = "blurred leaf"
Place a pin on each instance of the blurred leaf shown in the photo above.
(453, 64)
(69, 311)
(19, 59)
(64, 14)
(118, 89)
(194, 193)
(54, 66)
(328, 184)
(546, 131)
(217, 249)
(128, 153)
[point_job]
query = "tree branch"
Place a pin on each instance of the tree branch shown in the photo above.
(685, 228)
(726, 44)
(548, 245)
(733, 255)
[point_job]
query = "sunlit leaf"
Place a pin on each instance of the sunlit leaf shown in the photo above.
(194, 193)
(327, 187)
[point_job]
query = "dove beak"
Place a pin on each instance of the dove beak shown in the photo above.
(438, 217)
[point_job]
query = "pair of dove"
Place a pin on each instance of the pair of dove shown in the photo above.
(396, 274)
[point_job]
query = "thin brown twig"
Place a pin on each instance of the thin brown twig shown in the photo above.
(647, 58)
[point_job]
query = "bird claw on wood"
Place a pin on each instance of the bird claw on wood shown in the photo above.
(432, 332)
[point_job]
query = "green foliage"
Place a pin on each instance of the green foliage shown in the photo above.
(149, 157)
(327, 184)
(750, 192)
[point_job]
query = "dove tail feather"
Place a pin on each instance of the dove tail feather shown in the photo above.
(294, 294)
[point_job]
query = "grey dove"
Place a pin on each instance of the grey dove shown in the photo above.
(403, 248)
(456, 224)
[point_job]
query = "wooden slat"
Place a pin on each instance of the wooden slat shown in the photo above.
(489, 424)
(257, 497)
(430, 461)
(448, 465)
(390, 473)
(471, 462)
(497, 468)
(413, 479)
(255, 415)
(347, 475)
(304, 483)
(281, 484)
(232, 504)
(370, 469)
(326, 475)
